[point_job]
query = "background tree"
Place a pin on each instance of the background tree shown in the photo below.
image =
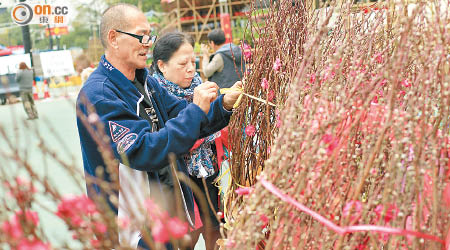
(145, 6)
(10, 34)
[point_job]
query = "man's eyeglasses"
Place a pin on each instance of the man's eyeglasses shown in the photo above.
(145, 39)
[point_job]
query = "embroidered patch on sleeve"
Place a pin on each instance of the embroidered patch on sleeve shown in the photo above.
(117, 131)
(126, 143)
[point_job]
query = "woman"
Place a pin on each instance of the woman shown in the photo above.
(24, 78)
(174, 68)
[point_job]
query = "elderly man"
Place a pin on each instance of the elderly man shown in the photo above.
(142, 121)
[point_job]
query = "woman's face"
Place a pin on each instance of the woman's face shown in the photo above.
(180, 68)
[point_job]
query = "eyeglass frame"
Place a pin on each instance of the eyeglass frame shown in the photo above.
(152, 38)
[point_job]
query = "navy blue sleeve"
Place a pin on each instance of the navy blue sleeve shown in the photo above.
(218, 118)
(146, 150)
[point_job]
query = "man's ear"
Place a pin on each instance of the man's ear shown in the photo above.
(112, 39)
(161, 66)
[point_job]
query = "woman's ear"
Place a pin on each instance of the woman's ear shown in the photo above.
(112, 39)
(161, 66)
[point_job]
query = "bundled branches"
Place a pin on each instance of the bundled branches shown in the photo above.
(364, 135)
(267, 78)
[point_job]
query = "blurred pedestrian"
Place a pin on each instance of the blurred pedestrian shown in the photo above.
(24, 78)
(224, 66)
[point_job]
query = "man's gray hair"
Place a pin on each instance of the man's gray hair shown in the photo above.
(115, 17)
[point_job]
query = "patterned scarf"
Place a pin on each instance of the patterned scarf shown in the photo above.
(200, 161)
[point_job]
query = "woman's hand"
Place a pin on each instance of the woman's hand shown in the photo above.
(204, 94)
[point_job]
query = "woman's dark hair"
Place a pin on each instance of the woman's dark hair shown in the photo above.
(167, 45)
(217, 36)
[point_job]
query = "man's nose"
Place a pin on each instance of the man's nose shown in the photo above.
(148, 45)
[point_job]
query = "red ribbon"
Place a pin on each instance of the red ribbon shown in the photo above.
(349, 229)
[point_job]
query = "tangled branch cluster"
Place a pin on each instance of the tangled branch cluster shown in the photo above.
(364, 135)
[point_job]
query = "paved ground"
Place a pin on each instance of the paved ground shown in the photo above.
(57, 128)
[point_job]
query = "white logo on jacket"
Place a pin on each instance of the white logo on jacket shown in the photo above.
(126, 143)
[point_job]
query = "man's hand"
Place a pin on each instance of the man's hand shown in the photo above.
(204, 49)
(204, 94)
(230, 97)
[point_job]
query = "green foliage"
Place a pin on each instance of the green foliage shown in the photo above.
(11, 35)
(241, 31)
(78, 37)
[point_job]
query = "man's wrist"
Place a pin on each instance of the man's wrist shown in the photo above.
(227, 107)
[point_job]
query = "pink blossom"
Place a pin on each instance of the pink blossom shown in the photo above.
(177, 228)
(159, 232)
(247, 51)
(95, 243)
(250, 130)
(312, 78)
(278, 119)
(243, 190)
(391, 212)
(264, 219)
(22, 191)
(164, 227)
(30, 216)
(13, 228)
(375, 99)
(331, 141)
(277, 65)
(100, 227)
(265, 84)
(154, 212)
(356, 209)
(405, 83)
(150, 205)
(271, 95)
(230, 244)
(34, 244)
(333, 74)
(123, 222)
(379, 58)
(75, 208)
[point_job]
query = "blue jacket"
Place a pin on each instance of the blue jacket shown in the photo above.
(117, 102)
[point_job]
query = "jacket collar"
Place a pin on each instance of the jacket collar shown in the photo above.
(121, 82)
(226, 47)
